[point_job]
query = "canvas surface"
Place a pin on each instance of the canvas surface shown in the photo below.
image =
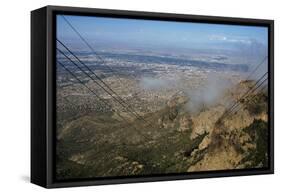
(142, 97)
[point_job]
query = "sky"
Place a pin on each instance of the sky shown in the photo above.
(163, 33)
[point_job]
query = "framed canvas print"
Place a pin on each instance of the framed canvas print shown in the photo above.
(125, 96)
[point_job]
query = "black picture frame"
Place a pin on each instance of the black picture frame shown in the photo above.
(43, 94)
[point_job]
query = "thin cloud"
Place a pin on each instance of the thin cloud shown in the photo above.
(230, 39)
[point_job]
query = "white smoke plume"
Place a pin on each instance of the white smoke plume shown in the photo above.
(210, 93)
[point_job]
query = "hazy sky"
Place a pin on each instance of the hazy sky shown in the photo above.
(162, 33)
